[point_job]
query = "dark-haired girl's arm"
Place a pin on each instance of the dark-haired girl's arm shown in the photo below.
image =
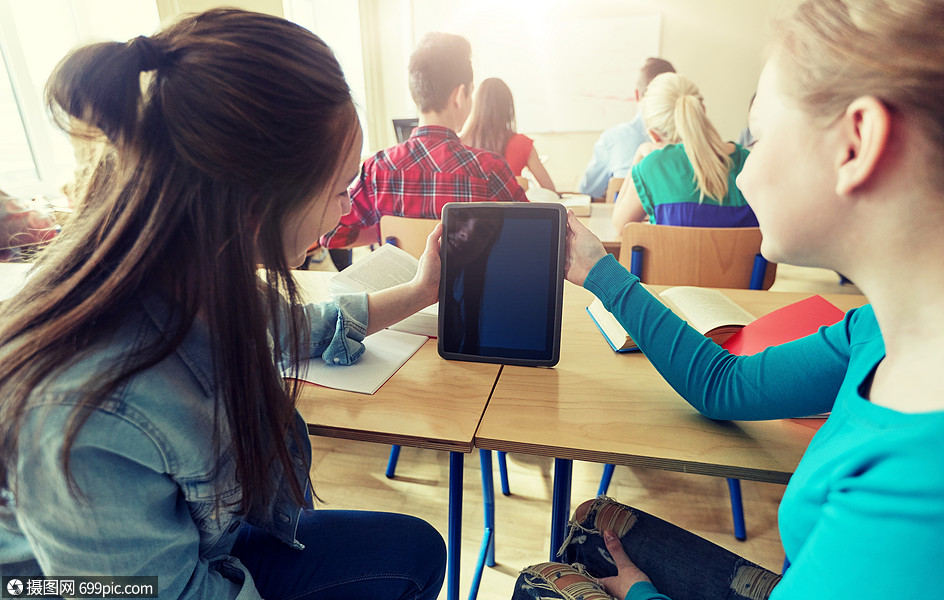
(391, 305)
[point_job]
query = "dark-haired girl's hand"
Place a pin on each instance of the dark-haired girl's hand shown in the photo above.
(427, 274)
(394, 304)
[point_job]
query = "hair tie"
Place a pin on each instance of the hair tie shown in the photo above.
(151, 56)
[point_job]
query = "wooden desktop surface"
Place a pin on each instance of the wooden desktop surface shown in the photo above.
(600, 222)
(601, 406)
(428, 403)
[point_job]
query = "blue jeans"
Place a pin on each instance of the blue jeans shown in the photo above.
(680, 564)
(348, 555)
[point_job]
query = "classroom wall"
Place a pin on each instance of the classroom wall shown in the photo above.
(170, 9)
(718, 44)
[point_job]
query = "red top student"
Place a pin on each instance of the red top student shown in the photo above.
(433, 167)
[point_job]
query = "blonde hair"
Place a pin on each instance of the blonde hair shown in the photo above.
(839, 50)
(673, 108)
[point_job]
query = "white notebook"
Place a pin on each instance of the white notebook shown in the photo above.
(386, 351)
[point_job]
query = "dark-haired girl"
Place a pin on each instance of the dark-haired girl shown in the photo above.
(145, 427)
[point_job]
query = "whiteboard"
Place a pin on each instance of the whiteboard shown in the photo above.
(566, 74)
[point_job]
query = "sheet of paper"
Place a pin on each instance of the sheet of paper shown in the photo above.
(386, 352)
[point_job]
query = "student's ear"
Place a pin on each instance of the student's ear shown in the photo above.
(463, 95)
(865, 127)
(654, 136)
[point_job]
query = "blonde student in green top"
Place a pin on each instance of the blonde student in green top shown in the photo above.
(849, 120)
(685, 176)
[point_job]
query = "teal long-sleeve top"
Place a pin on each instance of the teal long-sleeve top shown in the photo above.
(863, 515)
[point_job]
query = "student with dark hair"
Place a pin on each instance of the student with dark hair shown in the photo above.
(433, 167)
(492, 126)
(613, 153)
(145, 425)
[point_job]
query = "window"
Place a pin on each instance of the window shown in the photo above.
(338, 24)
(37, 158)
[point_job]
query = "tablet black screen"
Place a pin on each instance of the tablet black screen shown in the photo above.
(501, 283)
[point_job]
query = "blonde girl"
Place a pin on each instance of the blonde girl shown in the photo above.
(685, 176)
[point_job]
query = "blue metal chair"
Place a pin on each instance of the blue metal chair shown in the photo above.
(704, 256)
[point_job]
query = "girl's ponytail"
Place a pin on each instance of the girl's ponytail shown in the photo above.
(100, 85)
(674, 108)
(703, 146)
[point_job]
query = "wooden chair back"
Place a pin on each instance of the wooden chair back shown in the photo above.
(407, 233)
(523, 182)
(724, 257)
(613, 187)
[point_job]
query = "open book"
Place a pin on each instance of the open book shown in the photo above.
(708, 311)
(383, 268)
(714, 315)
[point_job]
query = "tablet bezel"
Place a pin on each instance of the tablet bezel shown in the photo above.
(554, 212)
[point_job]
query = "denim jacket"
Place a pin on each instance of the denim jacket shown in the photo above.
(144, 462)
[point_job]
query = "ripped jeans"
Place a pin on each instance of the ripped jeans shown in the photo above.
(680, 564)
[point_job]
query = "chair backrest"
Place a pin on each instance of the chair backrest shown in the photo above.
(613, 187)
(726, 257)
(523, 182)
(406, 233)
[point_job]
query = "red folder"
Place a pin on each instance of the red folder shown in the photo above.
(784, 325)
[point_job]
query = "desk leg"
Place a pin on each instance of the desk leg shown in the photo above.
(488, 491)
(455, 525)
(487, 550)
(560, 507)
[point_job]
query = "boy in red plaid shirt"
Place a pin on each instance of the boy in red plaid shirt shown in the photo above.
(433, 167)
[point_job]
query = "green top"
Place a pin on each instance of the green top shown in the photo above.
(665, 182)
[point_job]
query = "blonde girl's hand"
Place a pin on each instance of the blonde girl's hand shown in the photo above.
(583, 250)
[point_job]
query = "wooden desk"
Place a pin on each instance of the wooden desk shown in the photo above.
(601, 406)
(600, 222)
(428, 403)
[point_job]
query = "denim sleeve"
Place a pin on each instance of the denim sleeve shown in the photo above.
(336, 329)
(130, 519)
(643, 590)
(795, 379)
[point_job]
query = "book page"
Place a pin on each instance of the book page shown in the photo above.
(383, 268)
(423, 322)
(386, 351)
(610, 327)
(705, 309)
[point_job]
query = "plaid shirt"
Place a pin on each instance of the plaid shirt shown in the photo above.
(416, 178)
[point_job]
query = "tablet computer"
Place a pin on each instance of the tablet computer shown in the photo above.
(502, 281)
